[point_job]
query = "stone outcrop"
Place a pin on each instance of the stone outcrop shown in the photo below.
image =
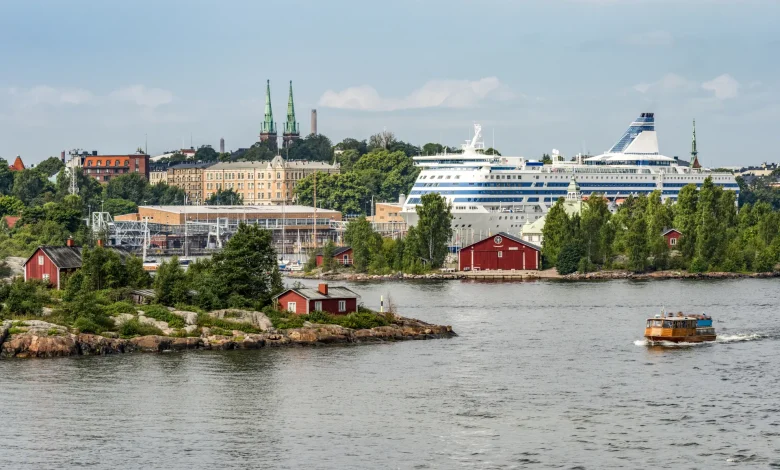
(36, 338)
(257, 319)
(190, 318)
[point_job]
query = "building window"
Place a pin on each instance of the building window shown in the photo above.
(292, 307)
(278, 175)
(672, 241)
(500, 254)
(40, 260)
(116, 163)
(318, 306)
(99, 162)
(89, 163)
(127, 162)
(46, 277)
(342, 305)
(278, 195)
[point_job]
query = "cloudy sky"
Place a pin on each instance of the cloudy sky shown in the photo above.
(537, 74)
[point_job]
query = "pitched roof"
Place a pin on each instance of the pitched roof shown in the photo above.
(311, 293)
(509, 237)
(18, 164)
(339, 250)
(666, 232)
(69, 257)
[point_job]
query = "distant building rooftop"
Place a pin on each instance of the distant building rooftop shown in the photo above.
(249, 210)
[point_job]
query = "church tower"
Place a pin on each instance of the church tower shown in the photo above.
(291, 129)
(268, 129)
(694, 153)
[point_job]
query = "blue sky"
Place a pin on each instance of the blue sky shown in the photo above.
(537, 74)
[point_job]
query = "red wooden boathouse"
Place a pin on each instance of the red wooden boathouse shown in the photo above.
(333, 300)
(501, 251)
(672, 237)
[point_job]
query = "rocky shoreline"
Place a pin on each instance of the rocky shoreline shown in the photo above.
(41, 339)
(549, 274)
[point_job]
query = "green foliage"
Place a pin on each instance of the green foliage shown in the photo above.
(225, 197)
(207, 321)
(313, 147)
(386, 174)
(556, 232)
(120, 307)
(30, 186)
(247, 266)
(344, 192)
(10, 205)
(133, 328)
(206, 153)
(361, 237)
(568, 259)
(161, 313)
(364, 318)
(24, 298)
(120, 206)
(102, 269)
(131, 187)
(50, 167)
(6, 178)
(328, 263)
(433, 229)
(170, 283)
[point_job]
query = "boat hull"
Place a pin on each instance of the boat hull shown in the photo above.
(681, 339)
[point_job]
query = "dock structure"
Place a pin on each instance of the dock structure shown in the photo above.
(499, 275)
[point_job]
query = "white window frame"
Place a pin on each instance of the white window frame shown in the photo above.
(292, 307)
(500, 254)
(318, 305)
(342, 305)
(46, 277)
(672, 241)
(40, 260)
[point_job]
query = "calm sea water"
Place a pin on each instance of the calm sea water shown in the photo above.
(543, 375)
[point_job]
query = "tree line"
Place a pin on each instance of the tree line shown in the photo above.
(716, 236)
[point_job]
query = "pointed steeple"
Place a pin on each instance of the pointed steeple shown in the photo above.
(291, 129)
(694, 153)
(268, 129)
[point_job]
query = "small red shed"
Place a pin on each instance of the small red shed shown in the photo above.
(333, 300)
(49, 263)
(501, 251)
(341, 255)
(672, 237)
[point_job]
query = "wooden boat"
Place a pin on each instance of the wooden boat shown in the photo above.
(679, 328)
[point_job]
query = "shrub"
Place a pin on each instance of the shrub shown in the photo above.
(160, 313)
(361, 320)
(189, 308)
(205, 320)
(86, 325)
(25, 298)
(568, 259)
(135, 328)
(120, 307)
(698, 265)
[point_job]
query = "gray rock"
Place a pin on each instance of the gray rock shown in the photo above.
(190, 318)
(122, 318)
(257, 319)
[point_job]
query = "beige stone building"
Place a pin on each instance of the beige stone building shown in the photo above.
(386, 212)
(261, 183)
(189, 177)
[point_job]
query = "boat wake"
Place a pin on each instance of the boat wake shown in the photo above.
(720, 339)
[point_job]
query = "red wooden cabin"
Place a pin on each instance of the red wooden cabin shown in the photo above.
(672, 237)
(333, 300)
(341, 255)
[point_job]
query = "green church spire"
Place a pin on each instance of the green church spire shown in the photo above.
(291, 129)
(694, 152)
(268, 129)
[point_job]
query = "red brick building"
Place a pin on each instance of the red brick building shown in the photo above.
(672, 237)
(50, 263)
(341, 255)
(502, 251)
(333, 300)
(105, 167)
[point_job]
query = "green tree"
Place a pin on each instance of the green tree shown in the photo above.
(206, 154)
(102, 268)
(260, 151)
(170, 283)
(556, 232)
(342, 192)
(225, 197)
(50, 167)
(685, 214)
(568, 259)
(135, 274)
(432, 149)
(360, 236)
(347, 159)
(29, 185)
(132, 187)
(6, 178)
(637, 245)
(595, 215)
(434, 228)
(119, 206)
(387, 174)
(247, 266)
(10, 205)
(328, 264)
(313, 147)
(164, 195)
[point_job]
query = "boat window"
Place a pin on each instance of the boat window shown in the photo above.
(667, 324)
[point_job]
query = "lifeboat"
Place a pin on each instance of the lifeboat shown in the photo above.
(679, 328)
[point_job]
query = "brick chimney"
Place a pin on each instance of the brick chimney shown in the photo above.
(322, 289)
(70, 242)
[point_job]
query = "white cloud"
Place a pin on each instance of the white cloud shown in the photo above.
(435, 93)
(651, 38)
(670, 82)
(47, 95)
(142, 96)
(724, 86)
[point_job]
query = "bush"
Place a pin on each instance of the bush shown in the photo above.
(135, 328)
(86, 325)
(568, 259)
(698, 265)
(120, 307)
(25, 298)
(361, 320)
(160, 313)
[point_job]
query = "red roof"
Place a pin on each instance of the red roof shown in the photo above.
(11, 220)
(18, 164)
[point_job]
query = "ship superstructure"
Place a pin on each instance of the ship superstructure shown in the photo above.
(491, 194)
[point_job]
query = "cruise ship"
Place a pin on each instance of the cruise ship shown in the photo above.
(491, 194)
